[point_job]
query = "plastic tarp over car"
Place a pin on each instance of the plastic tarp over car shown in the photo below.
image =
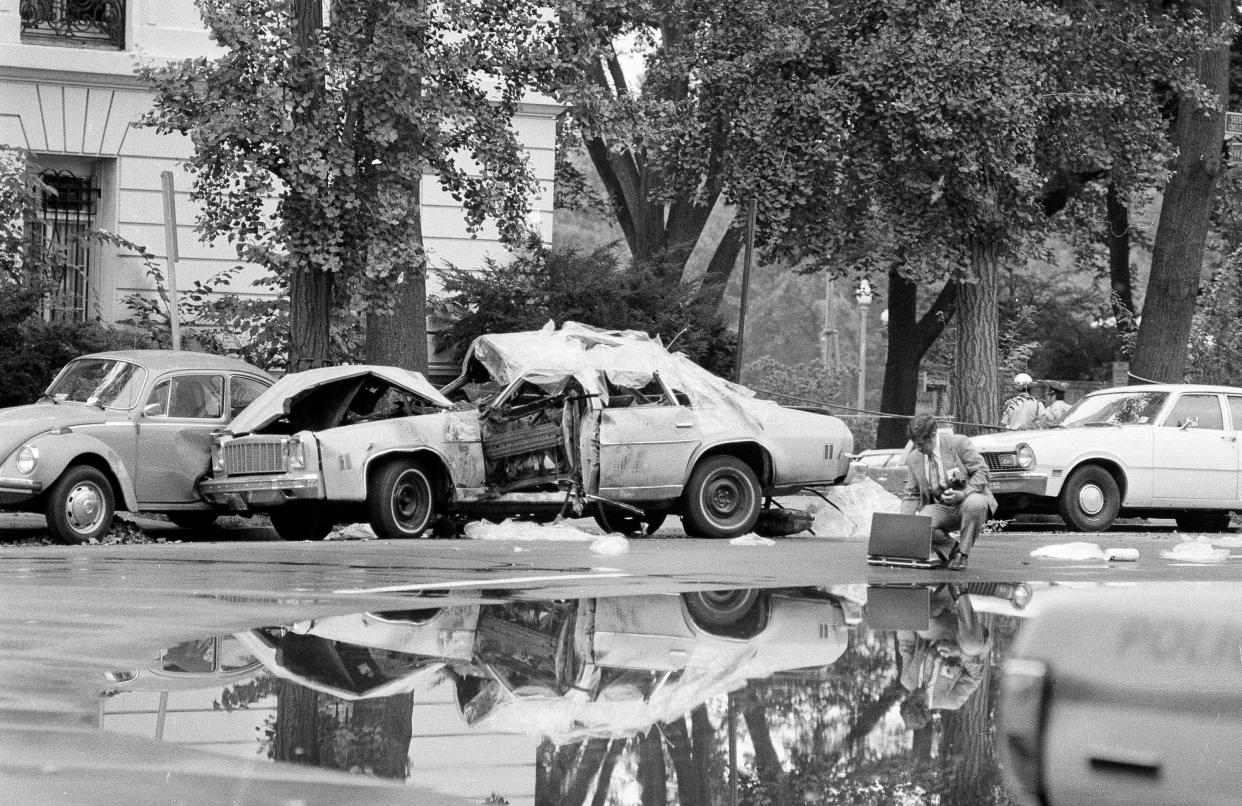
(628, 358)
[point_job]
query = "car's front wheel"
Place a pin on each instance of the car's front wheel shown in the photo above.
(401, 500)
(1090, 499)
(628, 523)
(302, 521)
(722, 498)
(80, 505)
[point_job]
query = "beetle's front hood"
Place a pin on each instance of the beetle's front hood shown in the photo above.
(20, 423)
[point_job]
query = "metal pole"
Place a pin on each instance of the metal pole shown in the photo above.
(828, 334)
(732, 715)
(170, 248)
(862, 356)
(746, 264)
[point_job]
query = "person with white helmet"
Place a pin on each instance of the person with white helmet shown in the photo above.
(1021, 410)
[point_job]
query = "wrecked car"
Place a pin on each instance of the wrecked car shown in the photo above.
(572, 422)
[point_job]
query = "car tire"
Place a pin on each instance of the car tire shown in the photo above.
(722, 499)
(401, 500)
(301, 522)
(735, 613)
(195, 521)
(1204, 520)
(1090, 499)
(80, 505)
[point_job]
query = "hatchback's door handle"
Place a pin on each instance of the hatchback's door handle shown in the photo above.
(685, 425)
(1229, 438)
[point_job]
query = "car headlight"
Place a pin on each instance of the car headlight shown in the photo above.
(27, 459)
(1023, 703)
(1026, 457)
(295, 454)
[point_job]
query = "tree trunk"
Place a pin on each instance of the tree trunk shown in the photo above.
(1118, 238)
(604, 780)
(909, 339)
(702, 746)
(652, 774)
(966, 751)
(386, 718)
(400, 338)
(767, 762)
(688, 791)
(296, 732)
(976, 397)
(310, 312)
(1177, 258)
(585, 772)
(310, 290)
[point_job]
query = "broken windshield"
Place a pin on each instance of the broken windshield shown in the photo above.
(108, 383)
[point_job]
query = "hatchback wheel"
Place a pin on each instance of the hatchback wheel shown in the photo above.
(1090, 500)
(80, 505)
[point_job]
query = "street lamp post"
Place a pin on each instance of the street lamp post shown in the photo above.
(863, 295)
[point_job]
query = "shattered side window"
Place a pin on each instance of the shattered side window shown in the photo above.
(652, 393)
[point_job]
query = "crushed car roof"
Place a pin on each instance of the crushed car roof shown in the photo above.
(271, 404)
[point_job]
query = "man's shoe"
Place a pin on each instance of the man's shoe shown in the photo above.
(957, 562)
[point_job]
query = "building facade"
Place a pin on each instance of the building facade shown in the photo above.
(69, 96)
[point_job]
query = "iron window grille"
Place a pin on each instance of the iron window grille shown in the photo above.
(85, 23)
(68, 216)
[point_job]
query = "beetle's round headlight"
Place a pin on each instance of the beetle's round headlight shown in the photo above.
(1026, 457)
(27, 459)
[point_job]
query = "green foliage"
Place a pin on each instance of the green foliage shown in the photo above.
(241, 696)
(1215, 339)
(592, 288)
(340, 127)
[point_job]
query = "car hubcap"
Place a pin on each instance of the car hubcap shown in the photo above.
(722, 497)
(410, 501)
(84, 508)
(1091, 499)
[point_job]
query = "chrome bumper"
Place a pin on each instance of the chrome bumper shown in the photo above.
(1019, 483)
(249, 492)
(11, 485)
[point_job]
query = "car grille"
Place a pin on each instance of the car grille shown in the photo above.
(994, 462)
(245, 458)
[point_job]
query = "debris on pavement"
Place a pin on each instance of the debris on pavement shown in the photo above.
(752, 539)
(524, 530)
(352, 531)
(1071, 551)
(610, 544)
(1119, 554)
(1197, 550)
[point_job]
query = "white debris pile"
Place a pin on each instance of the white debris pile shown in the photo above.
(352, 531)
(1198, 550)
(752, 539)
(847, 512)
(1071, 551)
(525, 530)
(610, 544)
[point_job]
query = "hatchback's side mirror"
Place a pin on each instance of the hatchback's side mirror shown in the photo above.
(1191, 422)
(153, 410)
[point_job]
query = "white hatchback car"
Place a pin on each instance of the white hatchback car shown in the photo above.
(1162, 450)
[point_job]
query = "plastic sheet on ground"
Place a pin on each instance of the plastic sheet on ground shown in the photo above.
(1071, 551)
(524, 530)
(1199, 550)
(610, 544)
(352, 531)
(851, 515)
(752, 539)
(1226, 541)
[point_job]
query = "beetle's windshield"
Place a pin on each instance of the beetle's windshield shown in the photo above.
(103, 382)
(1116, 408)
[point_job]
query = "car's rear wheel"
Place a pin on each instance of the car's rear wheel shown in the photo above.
(737, 613)
(722, 498)
(1206, 520)
(305, 521)
(80, 505)
(401, 500)
(1090, 499)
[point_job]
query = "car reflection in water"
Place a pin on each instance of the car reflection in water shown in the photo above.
(1127, 696)
(781, 696)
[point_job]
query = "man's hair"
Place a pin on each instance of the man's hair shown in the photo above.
(922, 427)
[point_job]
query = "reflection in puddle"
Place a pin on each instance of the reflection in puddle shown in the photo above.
(831, 695)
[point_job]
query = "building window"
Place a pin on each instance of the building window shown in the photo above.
(83, 23)
(68, 215)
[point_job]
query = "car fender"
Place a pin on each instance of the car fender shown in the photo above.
(58, 451)
(1130, 476)
(747, 449)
